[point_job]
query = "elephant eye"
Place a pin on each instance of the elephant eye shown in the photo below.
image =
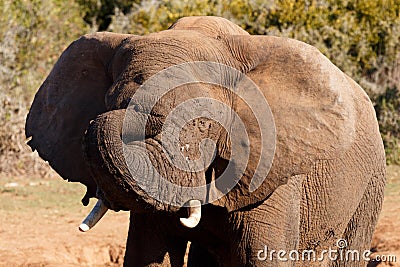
(139, 79)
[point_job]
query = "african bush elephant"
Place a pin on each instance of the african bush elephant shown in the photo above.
(270, 150)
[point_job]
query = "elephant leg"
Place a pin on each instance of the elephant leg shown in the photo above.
(149, 245)
(268, 228)
(200, 256)
(342, 199)
(359, 231)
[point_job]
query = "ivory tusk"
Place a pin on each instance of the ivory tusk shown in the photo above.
(194, 214)
(94, 216)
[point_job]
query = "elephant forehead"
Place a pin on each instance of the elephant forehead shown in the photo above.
(215, 27)
(158, 50)
(139, 59)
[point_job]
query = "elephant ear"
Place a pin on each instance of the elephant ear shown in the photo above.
(312, 106)
(72, 95)
(214, 27)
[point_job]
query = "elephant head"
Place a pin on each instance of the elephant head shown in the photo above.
(97, 122)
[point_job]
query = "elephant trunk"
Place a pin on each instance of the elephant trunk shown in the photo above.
(133, 171)
(103, 147)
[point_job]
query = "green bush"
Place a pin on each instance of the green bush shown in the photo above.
(388, 113)
(98, 13)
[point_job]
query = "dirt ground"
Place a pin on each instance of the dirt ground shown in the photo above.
(39, 221)
(386, 240)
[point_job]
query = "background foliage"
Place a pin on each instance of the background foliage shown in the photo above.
(32, 35)
(362, 37)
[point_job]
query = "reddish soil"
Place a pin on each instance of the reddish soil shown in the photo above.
(36, 240)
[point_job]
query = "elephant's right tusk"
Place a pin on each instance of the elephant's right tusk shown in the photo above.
(194, 214)
(94, 216)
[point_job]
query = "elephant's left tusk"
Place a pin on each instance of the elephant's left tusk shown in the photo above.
(94, 216)
(194, 214)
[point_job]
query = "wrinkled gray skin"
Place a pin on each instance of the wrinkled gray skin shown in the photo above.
(328, 173)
